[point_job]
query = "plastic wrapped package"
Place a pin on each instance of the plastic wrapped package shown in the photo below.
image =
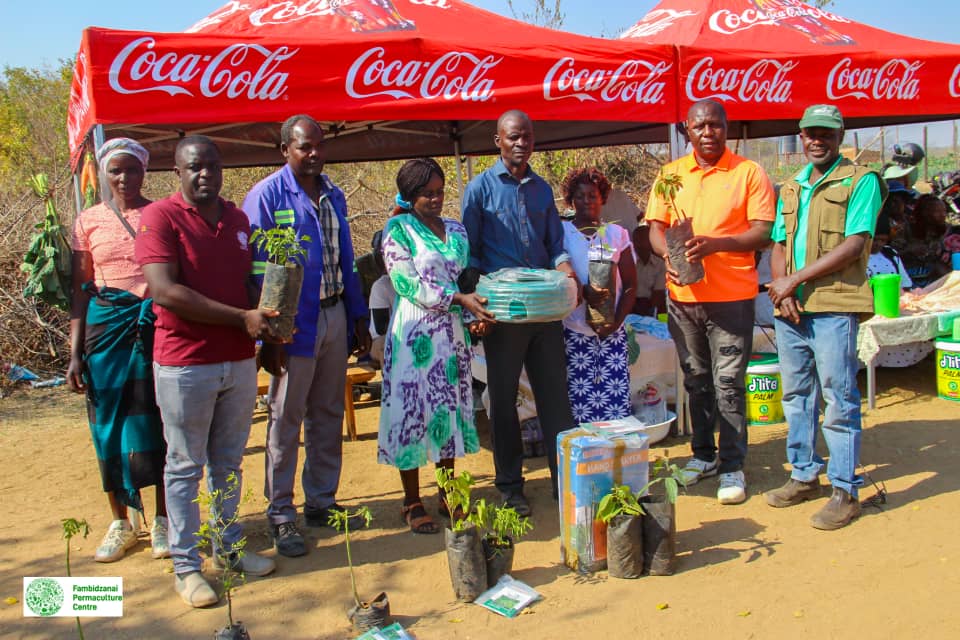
(528, 295)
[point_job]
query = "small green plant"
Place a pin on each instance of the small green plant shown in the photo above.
(620, 500)
(212, 531)
(667, 187)
(280, 244)
(73, 527)
(456, 490)
(340, 520)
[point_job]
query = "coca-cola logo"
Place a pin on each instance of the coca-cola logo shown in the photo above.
(218, 16)
(955, 82)
(455, 74)
(764, 81)
(238, 71)
(730, 22)
(284, 12)
(656, 21)
(633, 81)
(894, 80)
(79, 100)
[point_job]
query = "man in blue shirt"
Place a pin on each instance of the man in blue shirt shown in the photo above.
(826, 216)
(309, 376)
(512, 221)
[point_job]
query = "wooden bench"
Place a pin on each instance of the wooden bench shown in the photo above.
(356, 374)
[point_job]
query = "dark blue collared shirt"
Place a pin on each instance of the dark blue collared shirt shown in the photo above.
(512, 223)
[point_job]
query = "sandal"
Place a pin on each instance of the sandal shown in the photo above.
(418, 519)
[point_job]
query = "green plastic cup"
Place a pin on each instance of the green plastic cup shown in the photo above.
(886, 295)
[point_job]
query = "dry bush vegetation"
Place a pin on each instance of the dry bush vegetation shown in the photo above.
(33, 139)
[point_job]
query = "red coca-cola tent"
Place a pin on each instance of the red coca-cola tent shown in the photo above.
(390, 79)
(767, 60)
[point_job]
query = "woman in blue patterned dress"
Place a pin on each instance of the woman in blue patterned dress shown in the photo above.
(598, 379)
(426, 412)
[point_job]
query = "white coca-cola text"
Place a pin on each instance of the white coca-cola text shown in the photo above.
(894, 80)
(79, 101)
(240, 70)
(764, 81)
(218, 16)
(284, 12)
(955, 82)
(655, 22)
(455, 74)
(730, 22)
(633, 81)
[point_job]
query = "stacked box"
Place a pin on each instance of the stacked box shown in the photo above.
(589, 465)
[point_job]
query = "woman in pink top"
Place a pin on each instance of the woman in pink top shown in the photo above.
(111, 346)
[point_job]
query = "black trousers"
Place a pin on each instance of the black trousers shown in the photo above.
(539, 347)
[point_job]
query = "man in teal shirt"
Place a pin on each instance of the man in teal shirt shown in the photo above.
(822, 234)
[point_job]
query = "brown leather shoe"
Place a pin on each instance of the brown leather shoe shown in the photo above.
(838, 512)
(792, 493)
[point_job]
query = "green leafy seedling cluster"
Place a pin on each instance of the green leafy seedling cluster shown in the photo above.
(496, 523)
(622, 501)
(281, 245)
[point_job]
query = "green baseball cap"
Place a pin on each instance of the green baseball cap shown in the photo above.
(822, 115)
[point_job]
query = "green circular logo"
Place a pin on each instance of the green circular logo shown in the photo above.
(764, 408)
(952, 385)
(44, 596)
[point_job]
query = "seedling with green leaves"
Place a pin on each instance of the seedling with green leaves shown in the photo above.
(620, 500)
(212, 532)
(456, 490)
(667, 187)
(73, 527)
(281, 245)
(340, 520)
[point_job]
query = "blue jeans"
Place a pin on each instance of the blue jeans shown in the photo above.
(818, 360)
(206, 411)
(713, 341)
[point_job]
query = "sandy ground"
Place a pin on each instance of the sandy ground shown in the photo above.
(745, 571)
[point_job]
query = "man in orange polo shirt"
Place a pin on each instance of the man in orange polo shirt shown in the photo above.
(731, 202)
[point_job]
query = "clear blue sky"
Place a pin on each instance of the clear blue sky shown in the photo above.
(39, 33)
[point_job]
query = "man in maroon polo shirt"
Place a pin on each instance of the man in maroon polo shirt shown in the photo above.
(193, 248)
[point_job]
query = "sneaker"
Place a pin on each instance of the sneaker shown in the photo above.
(288, 540)
(696, 470)
(249, 564)
(519, 503)
(195, 590)
(733, 488)
(158, 538)
(792, 493)
(321, 517)
(119, 537)
(839, 511)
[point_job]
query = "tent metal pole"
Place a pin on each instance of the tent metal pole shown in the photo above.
(99, 138)
(676, 141)
(456, 153)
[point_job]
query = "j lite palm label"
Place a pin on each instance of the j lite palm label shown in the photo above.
(764, 391)
(948, 369)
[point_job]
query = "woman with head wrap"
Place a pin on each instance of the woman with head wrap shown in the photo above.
(111, 344)
(426, 412)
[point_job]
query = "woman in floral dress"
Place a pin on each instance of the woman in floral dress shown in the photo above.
(426, 410)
